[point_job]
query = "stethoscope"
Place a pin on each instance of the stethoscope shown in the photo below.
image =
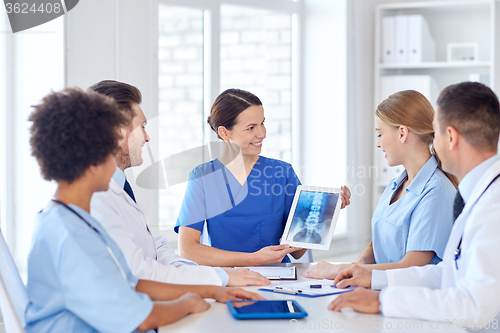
(226, 181)
(458, 251)
(117, 263)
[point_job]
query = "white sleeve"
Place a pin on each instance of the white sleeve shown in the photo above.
(473, 295)
(140, 265)
(167, 255)
(428, 276)
(379, 279)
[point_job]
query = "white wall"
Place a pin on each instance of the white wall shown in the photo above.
(323, 108)
(116, 40)
(324, 92)
(35, 68)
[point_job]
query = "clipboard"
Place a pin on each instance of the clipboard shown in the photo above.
(312, 288)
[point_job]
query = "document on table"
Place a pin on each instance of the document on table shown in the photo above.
(310, 288)
(275, 272)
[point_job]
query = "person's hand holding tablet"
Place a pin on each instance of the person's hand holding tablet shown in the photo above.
(345, 196)
(274, 254)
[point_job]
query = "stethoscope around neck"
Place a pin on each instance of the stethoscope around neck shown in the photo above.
(117, 263)
(458, 250)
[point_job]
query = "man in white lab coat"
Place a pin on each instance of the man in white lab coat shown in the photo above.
(464, 289)
(149, 257)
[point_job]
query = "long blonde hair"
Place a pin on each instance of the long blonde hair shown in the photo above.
(411, 109)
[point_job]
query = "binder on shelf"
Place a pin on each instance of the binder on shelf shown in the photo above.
(422, 47)
(407, 39)
(388, 39)
(402, 42)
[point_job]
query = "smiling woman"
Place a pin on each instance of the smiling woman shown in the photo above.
(244, 198)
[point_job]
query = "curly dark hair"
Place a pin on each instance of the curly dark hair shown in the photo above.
(73, 130)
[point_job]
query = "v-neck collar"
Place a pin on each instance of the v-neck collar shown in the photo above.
(417, 185)
(234, 178)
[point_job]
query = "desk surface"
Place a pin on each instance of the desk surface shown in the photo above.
(217, 319)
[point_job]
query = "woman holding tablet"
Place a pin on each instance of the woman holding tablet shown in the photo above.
(244, 198)
(414, 217)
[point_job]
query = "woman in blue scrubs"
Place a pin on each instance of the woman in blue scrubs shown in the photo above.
(414, 217)
(78, 279)
(243, 197)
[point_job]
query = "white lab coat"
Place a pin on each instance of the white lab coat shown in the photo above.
(126, 221)
(470, 294)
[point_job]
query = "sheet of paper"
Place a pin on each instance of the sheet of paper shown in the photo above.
(311, 287)
(275, 273)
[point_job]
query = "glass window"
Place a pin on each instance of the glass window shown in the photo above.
(180, 121)
(256, 55)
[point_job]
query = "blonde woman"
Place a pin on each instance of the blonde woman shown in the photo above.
(414, 217)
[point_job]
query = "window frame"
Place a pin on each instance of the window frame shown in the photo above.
(7, 211)
(211, 73)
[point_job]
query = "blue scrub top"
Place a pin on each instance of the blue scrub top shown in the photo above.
(243, 218)
(73, 283)
(419, 221)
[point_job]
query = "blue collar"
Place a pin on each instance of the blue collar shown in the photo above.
(423, 176)
(471, 179)
(119, 177)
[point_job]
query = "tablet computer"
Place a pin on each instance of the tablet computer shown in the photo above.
(266, 309)
(312, 218)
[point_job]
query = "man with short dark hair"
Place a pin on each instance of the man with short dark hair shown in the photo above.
(465, 287)
(149, 257)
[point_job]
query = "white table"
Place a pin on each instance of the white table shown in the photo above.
(217, 319)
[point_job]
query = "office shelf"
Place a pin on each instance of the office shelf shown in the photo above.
(470, 21)
(437, 64)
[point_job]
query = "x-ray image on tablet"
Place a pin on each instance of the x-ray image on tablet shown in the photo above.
(312, 218)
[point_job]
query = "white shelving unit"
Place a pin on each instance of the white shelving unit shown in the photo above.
(472, 21)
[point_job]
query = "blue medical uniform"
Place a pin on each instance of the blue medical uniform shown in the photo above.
(73, 283)
(419, 221)
(243, 218)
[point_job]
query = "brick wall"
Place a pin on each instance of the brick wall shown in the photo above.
(256, 56)
(180, 56)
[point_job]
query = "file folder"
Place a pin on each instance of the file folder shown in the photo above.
(388, 40)
(402, 43)
(422, 47)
